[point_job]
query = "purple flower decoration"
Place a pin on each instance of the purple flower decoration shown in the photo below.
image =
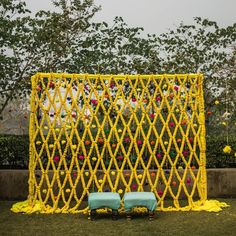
(39, 117)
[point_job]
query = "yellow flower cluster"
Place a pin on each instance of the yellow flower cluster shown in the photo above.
(227, 149)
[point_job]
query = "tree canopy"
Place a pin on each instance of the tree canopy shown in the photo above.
(67, 39)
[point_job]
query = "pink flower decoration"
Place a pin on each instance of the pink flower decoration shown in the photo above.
(185, 153)
(160, 192)
(176, 88)
(172, 124)
(188, 180)
(190, 139)
(120, 158)
(86, 87)
(139, 142)
(39, 87)
(152, 116)
(112, 85)
(94, 101)
(134, 186)
(81, 157)
(56, 158)
(159, 155)
(158, 98)
(51, 85)
(74, 174)
(127, 139)
(133, 99)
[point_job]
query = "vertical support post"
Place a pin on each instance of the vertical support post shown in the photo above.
(202, 140)
(34, 80)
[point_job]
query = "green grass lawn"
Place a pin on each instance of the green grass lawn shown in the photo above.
(165, 223)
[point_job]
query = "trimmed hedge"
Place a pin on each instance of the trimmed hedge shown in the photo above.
(216, 158)
(14, 152)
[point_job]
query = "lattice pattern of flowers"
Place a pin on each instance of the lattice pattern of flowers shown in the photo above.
(116, 133)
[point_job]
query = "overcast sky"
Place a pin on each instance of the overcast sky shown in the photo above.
(156, 16)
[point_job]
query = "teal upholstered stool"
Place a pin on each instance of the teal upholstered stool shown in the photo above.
(140, 199)
(102, 200)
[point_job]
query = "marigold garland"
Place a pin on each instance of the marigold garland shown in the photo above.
(116, 133)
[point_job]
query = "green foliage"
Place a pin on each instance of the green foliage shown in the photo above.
(206, 48)
(15, 152)
(67, 40)
(40, 43)
(216, 158)
(114, 50)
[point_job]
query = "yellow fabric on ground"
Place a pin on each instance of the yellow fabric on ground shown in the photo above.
(209, 206)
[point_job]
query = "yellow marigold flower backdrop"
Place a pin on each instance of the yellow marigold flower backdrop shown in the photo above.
(116, 133)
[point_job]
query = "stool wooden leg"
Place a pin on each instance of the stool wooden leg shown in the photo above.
(128, 216)
(93, 214)
(114, 214)
(151, 215)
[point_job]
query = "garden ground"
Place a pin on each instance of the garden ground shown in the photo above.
(165, 223)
